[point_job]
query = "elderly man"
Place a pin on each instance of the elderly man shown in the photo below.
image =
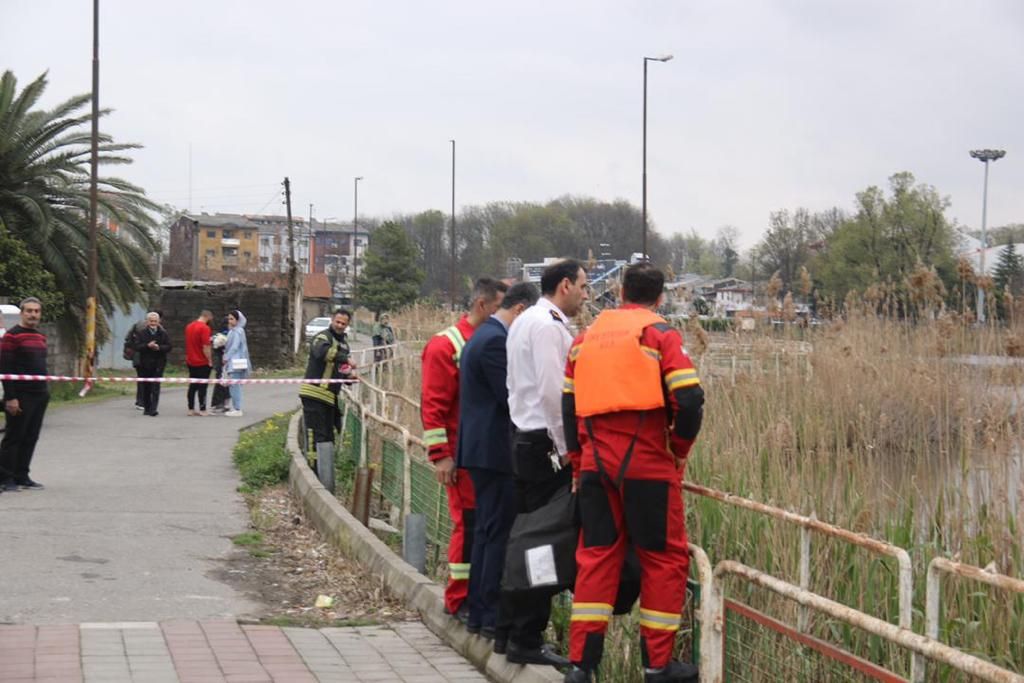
(23, 352)
(152, 346)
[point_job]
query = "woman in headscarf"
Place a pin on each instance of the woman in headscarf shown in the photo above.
(236, 359)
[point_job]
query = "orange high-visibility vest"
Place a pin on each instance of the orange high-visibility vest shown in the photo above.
(613, 371)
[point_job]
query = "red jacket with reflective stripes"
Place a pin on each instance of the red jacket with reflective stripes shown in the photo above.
(439, 397)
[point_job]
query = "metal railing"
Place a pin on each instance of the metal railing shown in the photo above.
(379, 409)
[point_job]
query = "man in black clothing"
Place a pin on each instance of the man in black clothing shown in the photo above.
(152, 346)
(23, 352)
(328, 359)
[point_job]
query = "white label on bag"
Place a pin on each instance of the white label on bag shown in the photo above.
(540, 565)
(239, 364)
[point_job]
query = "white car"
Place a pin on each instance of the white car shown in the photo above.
(317, 325)
(9, 317)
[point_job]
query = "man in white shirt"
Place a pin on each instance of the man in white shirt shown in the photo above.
(538, 346)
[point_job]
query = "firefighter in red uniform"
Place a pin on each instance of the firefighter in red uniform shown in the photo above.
(632, 407)
(439, 412)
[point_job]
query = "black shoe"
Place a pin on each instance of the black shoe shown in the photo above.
(577, 675)
(675, 672)
(542, 655)
(500, 642)
(153, 414)
(487, 632)
(9, 485)
(473, 628)
(27, 484)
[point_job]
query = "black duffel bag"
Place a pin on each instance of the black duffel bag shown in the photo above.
(541, 553)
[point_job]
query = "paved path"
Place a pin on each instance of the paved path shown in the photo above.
(223, 651)
(136, 514)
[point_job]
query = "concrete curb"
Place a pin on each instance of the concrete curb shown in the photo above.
(345, 532)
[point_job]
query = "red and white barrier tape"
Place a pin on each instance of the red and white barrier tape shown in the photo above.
(172, 380)
(89, 381)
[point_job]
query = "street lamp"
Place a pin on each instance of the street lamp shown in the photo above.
(451, 284)
(663, 58)
(984, 156)
(355, 245)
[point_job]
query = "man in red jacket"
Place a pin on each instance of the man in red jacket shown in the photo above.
(439, 412)
(632, 406)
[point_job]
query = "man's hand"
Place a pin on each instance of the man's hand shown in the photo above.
(575, 484)
(153, 345)
(445, 471)
(12, 407)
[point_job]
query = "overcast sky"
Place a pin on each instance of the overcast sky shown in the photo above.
(766, 105)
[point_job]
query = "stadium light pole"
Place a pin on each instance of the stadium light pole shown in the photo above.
(92, 278)
(984, 156)
(643, 209)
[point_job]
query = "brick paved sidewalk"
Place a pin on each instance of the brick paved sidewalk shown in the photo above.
(225, 652)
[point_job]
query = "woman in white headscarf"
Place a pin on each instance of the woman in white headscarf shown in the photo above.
(236, 360)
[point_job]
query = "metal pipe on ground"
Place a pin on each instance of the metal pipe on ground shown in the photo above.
(361, 496)
(414, 541)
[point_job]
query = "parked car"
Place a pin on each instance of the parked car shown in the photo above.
(9, 317)
(317, 325)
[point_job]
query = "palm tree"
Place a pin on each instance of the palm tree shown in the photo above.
(44, 199)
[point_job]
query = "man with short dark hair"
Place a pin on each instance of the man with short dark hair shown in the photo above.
(199, 359)
(538, 346)
(439, 412)
(484, 451)
(329, 358)
(628, 449)
(23, 352)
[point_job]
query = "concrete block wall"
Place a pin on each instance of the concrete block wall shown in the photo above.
(265, 309)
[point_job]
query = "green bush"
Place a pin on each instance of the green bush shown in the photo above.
(261, 456)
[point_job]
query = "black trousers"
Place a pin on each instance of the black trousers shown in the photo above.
(527, 615)
(138, 388)
(21, 435)
(197, 372)
(496, 507)
(321, 418)
(150, 390)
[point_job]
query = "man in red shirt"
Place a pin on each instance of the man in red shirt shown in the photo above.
(439, 411)
(199, 359)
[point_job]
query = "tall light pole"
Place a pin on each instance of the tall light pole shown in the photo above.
(92, 283)
(984, 156)
(451, 284)
(355, 247)
(643, 210)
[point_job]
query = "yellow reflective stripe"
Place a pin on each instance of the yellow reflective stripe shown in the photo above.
(591, 611)
(568, 386)
(677, 379)
(434, 437)
(574, 352)
(591, 608)
(678, 374)
(653, 353)
(317, 392)
(458, 570)
(454, 335)
(663, 621)
(679, 384)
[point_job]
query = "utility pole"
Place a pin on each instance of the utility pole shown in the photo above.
(93, 277)
(293, 271)
(355, 251)
(451, 286)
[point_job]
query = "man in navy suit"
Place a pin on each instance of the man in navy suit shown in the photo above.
(484, 450)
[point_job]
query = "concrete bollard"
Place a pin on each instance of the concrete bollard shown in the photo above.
(325, 464)
(361, 496)
(414, 541)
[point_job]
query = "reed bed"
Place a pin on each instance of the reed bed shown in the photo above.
(909, 432)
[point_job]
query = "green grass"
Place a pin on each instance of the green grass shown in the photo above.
(261, 456)
(248, 539)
